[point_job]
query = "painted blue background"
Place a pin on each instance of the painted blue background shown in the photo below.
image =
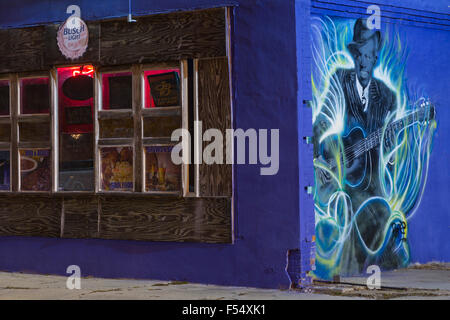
(428, 68)
(271, 80)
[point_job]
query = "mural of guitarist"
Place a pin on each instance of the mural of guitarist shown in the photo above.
(355, 127)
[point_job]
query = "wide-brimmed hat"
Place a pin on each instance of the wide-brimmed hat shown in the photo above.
(362, 34)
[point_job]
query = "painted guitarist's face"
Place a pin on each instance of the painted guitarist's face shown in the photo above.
(365, 60)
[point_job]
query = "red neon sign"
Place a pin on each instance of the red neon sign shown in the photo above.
(86, 70)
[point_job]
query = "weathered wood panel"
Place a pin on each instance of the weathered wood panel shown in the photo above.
(214, 110)
(80, 216)
(164, 37)
(22, 49)
(166, 219)
(117, 216)
(155, 38)
(37, 216)
(53, 56)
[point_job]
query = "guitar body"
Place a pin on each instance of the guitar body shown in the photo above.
(353, 168)
(356, 165)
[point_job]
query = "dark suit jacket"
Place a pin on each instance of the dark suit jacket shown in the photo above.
(381, 101)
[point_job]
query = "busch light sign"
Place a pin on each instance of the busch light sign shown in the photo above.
(73, 37)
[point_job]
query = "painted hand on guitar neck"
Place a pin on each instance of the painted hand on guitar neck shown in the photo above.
(389, 139)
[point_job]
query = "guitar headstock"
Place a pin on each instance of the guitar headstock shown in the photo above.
(427, 111)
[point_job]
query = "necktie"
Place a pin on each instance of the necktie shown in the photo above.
(364, 101)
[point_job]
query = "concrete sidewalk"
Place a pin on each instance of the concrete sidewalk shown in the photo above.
(428, 281)
(429, 276)
(412, 283)
(31, 286)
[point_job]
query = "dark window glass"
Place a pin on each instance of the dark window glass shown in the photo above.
(76, 138)
(35, 95)
(4, 97)
(117, 91)
(5, 132)
(78, 115)
(5, 172)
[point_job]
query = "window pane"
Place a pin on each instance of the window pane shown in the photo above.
(161, 126)
(76, 162)
(35, 170)
(117, 169)
(76, 142)
(34, 132)
(162, 88)
(35, 95)
(117, 91)
(116, 128)
(4, 97)
(5, 132)
(161, 174)
(81, 115)
(5, 172)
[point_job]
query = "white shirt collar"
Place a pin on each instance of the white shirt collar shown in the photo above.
(363, 92)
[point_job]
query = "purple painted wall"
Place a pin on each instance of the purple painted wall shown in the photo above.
(266, 207)
(429, 70)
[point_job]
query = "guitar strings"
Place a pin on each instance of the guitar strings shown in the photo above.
(354, 151)
(360, 147)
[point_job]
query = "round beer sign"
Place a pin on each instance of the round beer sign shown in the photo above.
(73, 37)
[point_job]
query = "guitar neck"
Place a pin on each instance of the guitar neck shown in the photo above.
(374, 139)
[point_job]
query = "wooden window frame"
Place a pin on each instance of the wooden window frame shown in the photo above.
(180, 110)
(137, 112)
(7, 119)
(100, 113)
(18, 117)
